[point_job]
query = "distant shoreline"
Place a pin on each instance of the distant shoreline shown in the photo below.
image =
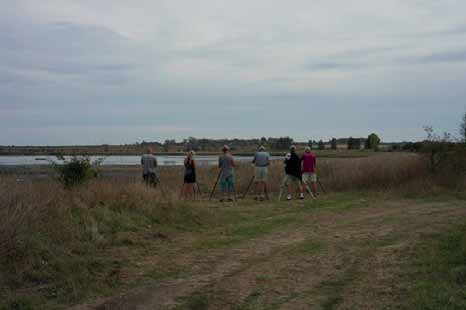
(321, 153)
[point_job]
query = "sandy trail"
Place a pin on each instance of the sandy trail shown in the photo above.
(351, 259)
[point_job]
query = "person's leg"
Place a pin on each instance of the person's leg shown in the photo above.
(257, 189)
(266, 193)
(153, 180)
(258, 182)
(223, 187)
(231, 187)
(191, 190)
(265, 177)
(297, 185)
(301, 188)
(289, 183)
(305, 180)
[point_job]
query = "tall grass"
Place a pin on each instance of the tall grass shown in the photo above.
(52, 238)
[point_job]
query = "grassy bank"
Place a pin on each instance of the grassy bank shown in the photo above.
(59, 247)
(80, 248)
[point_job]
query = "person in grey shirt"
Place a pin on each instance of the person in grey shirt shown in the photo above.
(262, 162)
(227, 178)
(149, 165)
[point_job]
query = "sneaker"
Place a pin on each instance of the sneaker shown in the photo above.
(222, 200)
(256, 198)
(288, 197)
(301, 196)
(230, 200)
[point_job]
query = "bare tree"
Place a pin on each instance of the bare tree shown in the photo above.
(463, 128)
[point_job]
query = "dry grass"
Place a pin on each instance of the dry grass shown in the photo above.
(51, 237)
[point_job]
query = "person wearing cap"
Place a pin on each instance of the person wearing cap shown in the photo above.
(262, 162)
(309, 169)
(189, 175)
(293, 172)
(149, 165)
(227, 180)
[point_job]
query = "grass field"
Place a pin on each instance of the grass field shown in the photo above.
(385, 235)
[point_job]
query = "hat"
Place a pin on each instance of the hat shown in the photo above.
(261, 148)
(307, 149)
(292, 149)
(225, 148)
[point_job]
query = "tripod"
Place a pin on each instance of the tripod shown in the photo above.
(266, 192)
(301, 183)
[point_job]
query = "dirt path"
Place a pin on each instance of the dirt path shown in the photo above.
(352, 259)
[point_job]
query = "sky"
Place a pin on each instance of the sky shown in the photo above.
(120, 71)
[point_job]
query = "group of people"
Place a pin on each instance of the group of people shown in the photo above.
(300, 171)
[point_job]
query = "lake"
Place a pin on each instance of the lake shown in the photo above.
(115, 160)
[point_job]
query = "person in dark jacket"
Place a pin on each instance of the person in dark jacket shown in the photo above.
(149, 167)
(293, 172)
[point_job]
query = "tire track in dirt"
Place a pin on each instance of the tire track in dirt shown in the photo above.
(359, 264)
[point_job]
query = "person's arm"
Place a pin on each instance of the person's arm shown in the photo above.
(142, 161)
(219, 162)
(155, 162)
(232, 162)
(254, 159)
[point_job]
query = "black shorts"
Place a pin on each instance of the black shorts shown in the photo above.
(190, 178)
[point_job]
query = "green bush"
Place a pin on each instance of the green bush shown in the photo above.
(76, 170)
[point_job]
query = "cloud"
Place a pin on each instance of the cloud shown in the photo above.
(324, 66)
(447, 56)
(227, 67)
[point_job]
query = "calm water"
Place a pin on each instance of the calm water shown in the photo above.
(114, 160)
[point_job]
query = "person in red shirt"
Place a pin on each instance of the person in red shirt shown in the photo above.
(309, 173)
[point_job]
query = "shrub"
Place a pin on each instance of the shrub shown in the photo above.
(76, 170)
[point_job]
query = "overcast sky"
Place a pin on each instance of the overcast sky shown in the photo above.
(114, 71)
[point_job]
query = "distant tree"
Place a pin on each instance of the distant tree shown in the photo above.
(191, 144)
(372, 142)
(350, 143)
(283, 143)
(408, 146)
(333, 144)
(263, 141)
(463, 128)
(310, 143)
(321, 145)
(354, 143)
(166, 145)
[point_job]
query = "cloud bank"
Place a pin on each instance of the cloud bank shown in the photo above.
(78, 72)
